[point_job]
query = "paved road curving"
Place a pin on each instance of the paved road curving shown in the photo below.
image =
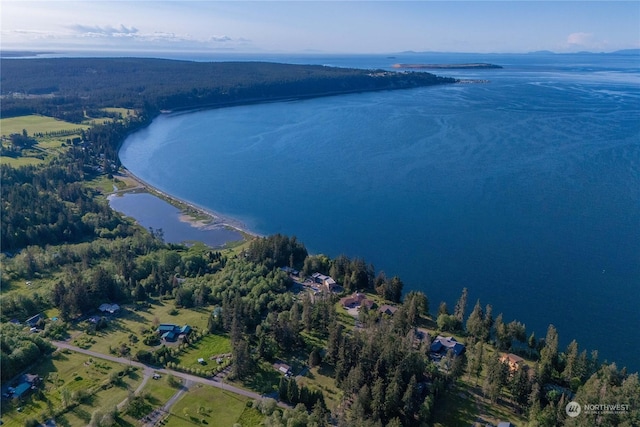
(187, 377)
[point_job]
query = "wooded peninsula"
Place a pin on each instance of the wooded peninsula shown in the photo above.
(105, 324)
(470, 66)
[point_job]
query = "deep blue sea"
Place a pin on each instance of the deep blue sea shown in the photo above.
(525, 189)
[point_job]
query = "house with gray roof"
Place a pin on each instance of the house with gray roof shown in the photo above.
(441, 345)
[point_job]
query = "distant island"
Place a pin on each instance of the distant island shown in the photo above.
(480, 65)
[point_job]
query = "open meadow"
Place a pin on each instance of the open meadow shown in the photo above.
(74, 386)
(52, 135)
(213, 407)
(128, 326)
(36, 124)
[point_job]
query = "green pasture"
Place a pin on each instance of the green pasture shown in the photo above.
(76, 373)
(204, 405)
(106, 185)
(130, 322)
(159, 390)
(20, 161)
(36, 124)
(156, 393)
(208, 346)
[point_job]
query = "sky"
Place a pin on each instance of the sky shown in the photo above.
(320, 26)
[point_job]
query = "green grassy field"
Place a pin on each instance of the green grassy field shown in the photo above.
(36, 124)
(160, 390)
(75, 373)
(16, 162)
(106, 185)
(208, 346)
(132, 322)
(156, 393)
(210, 406)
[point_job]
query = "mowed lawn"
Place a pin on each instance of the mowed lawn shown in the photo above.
(76, 373)
(208, 346)
(36, 124)
(131, 322)
(204, 405)
(16, 162)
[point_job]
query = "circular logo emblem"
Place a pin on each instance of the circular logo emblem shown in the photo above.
(573, 409)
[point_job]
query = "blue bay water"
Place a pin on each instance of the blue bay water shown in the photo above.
(525, 190)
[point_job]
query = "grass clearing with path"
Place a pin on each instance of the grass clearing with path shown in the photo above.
(204, 405)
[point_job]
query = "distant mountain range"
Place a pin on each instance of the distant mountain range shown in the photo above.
(537, 52)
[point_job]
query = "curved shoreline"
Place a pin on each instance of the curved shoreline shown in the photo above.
(213, 218)
(189, 211)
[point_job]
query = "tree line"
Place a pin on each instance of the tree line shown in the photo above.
(65, 87)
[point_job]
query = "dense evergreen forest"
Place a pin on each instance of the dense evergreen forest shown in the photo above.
(63, 87)
(63, 234)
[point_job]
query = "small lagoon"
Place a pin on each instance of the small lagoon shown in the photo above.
(153, 212)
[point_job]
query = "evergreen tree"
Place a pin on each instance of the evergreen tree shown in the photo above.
(283, 386)
(411, 399)
(571, 362)
(503, 338)
(475, 360)
(488, 320)
(475, 325)
(333, 343)
(420, 301)
(362, 404)
(393, 395)
(520, 388)
(496, 377)
(293, 392)
(442, 308)
(307, 312)
(548, 355)
(461, 306)
(242, 364)
(378, 397)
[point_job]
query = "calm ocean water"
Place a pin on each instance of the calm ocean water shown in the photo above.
(525, 190)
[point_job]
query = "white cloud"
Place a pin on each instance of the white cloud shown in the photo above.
(106, 31)
(580, 39)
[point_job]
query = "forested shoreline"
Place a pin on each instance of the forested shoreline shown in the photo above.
(65, 87)
(61, 235)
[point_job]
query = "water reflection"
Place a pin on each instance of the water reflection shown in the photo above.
(151, 211)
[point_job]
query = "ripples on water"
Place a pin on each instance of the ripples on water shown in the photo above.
(525, 190)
